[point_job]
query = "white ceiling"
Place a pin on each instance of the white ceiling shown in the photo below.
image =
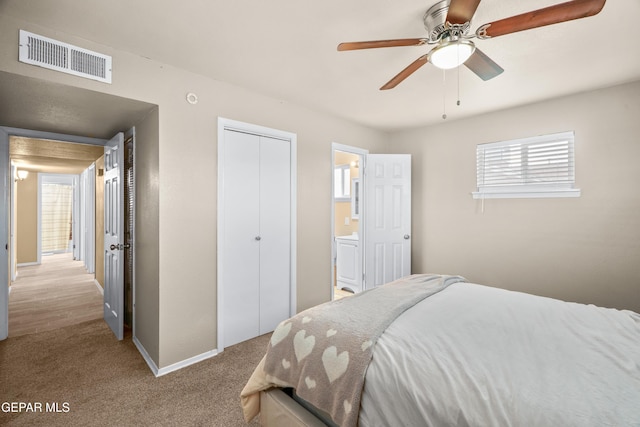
(287, 49)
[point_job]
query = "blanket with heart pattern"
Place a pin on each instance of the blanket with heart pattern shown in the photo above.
(323, 352)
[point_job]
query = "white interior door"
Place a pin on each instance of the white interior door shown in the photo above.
(387, 218)
(114, 235)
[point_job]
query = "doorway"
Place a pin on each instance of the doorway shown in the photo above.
(53, 235)
(377, 250)
(346, 220)
(81, 262)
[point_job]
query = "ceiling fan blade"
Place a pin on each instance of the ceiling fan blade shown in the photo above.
(483, 66)
(412, 68)
(562, 12)
(461, 11)
(381, 43)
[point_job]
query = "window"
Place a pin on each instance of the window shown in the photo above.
(342, 183)
(540, 166)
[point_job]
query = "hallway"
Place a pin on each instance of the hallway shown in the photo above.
(57, 293)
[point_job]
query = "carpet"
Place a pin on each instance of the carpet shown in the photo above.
(82, 376)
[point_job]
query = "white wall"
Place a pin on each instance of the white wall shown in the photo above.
(583, 249)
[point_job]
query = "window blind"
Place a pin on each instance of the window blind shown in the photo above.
(529, 167)
(56, 211)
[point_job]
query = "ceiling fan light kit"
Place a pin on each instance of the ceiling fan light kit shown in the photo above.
(451, 54)
(448, 23)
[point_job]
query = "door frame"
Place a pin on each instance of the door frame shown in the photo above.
(362, 152)
(5, 204)
(234, 125)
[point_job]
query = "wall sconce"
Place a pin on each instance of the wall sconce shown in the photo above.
(355, 164)
(21, 175)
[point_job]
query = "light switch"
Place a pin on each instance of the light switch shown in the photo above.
(346, 220)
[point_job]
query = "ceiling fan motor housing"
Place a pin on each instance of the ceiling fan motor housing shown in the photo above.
(435, 19)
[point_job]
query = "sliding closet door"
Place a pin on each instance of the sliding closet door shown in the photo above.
(255, 255)
(241, 234)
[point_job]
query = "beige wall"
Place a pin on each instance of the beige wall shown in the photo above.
(579, 249)
(176, 250)
(583, 249)
(27, 220)
(147, 235)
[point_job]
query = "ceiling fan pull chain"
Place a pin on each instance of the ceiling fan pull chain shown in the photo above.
(444, 94)
(458, 69)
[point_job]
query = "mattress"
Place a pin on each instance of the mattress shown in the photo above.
(472, 355)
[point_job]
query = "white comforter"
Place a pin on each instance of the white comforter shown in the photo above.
(483, 356)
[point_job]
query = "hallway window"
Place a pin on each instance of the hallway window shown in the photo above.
(57, 202)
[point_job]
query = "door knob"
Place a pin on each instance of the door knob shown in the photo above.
(120, 247)
(406, 237)
(258, 238)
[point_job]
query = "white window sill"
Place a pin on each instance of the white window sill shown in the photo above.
(573, 192)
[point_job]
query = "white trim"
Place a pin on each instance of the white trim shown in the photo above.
(187, 362)
(550, 193)
(26, 264)
(100, 288)
(158, 372)
(228, 124)
(145, 356)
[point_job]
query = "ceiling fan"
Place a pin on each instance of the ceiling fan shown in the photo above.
(448, 24)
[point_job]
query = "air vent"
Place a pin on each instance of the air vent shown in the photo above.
(59, 56)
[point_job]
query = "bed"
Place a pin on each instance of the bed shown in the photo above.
(434, 350)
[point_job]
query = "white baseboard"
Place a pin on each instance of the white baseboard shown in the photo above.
(146, 356)
(26, 264)
(158, 372)
(100, 288)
